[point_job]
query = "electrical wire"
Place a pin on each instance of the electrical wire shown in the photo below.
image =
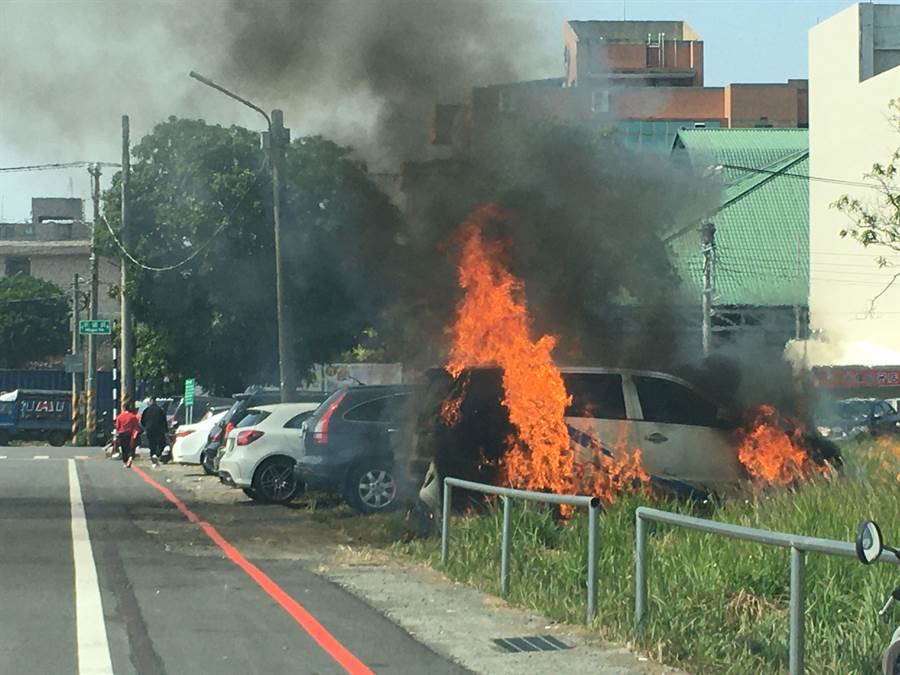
(199, 249)
(63, 165)
(822, 179)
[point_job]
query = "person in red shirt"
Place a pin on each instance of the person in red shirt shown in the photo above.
(128, 427)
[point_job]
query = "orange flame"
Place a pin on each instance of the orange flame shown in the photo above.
(492, 328)
(773, 451)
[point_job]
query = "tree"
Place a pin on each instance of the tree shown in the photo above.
(204, 191)
(877, 222)
(34, 317)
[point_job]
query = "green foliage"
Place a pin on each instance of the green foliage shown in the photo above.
(194, 185)
(34, 320)
(715, 605)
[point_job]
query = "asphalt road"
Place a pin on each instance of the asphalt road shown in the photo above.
(143, 606)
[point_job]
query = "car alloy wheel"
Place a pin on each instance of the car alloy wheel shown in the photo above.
(276, 482)
(377, 489)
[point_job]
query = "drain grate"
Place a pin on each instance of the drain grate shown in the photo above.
(533, 643)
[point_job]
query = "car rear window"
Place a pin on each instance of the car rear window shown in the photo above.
(673, 403)
(595, 395)
(253, 418)
(297, 420)
(386, 409)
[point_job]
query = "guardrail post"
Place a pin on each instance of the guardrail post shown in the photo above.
(592, 560)
(504, 549)
(445, 523)
(798, 573)
(640, 569)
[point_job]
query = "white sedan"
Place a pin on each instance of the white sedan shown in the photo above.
(261, 450)
(190, 439)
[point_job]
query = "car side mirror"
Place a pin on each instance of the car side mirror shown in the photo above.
(869, 543)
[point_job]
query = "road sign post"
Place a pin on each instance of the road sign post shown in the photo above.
(94, 327)
(189, 385)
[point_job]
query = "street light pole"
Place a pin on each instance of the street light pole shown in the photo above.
(275, 141)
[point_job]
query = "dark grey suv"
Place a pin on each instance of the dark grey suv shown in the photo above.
(348, 445)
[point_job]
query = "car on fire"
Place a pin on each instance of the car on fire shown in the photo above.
(688, 443)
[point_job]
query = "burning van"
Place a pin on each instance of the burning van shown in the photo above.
(625, 428)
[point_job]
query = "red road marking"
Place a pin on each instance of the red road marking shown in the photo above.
(300, 614)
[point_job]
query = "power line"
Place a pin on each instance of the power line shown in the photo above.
(58, 165)
(822, 179)
(198, 250)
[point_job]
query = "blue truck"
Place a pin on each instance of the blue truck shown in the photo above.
(36, 415)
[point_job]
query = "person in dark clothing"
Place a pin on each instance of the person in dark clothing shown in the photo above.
(155, 426)
(127, 429)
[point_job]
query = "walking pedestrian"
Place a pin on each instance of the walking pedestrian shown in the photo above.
(155, 426)
(127, 427)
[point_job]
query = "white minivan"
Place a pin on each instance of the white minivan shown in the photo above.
(688, 444)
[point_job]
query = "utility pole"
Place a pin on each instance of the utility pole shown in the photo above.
(274, 141)
(91, 411)
(708, 248)
(277, 140)
(125, 321)
(76, 427)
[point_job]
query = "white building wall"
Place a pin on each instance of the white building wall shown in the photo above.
(849, 130)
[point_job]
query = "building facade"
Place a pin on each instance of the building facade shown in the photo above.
(854, 69)
(54, 246)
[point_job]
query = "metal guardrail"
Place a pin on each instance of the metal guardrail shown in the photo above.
(798, 545)
(591, 503)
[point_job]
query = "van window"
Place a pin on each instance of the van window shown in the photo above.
(595, 395)
(673, 403)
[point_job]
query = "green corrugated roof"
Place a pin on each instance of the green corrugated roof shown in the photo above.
(762, 227)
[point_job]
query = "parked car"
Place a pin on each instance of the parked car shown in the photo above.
(190, 439)
(348, 445)
(177, 411)
(687, 441)
(253, 396)
(852, 417)
(261, 451)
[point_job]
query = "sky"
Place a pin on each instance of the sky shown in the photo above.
(70, 69)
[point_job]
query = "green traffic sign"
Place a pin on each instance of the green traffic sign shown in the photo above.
(94, 327)
(189, 391)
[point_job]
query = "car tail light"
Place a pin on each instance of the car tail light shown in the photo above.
(216, 437)
(320, 431)
(228, 428)
(182, 434)
(248, 436)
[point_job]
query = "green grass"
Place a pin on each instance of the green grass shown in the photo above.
(716, 605)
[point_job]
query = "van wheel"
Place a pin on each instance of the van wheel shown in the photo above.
(274, 481)
(371, 488)
(57, 439)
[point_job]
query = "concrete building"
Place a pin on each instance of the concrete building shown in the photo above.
(55, 245)
(854, 72)
(642, 79)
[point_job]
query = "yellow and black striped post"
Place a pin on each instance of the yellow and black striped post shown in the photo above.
(76, 421)
(90, 421)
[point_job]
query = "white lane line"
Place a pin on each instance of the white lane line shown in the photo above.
(90, 626)
(82, 456)
(2, 456)
(41, 457)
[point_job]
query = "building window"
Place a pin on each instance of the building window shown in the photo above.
(506, 102)
(17, 265)
(600, 101)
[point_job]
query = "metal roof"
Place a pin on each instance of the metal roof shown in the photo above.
(762, 225)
